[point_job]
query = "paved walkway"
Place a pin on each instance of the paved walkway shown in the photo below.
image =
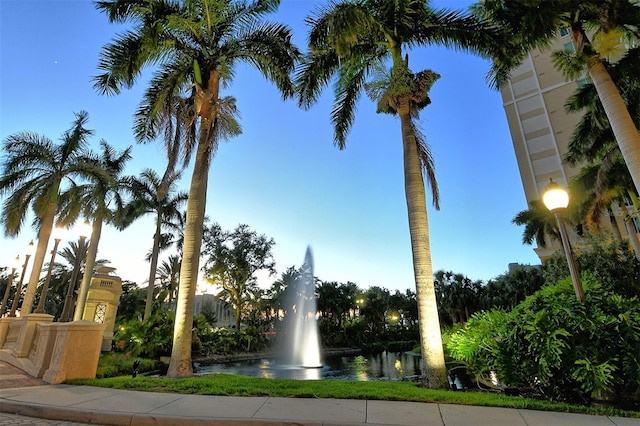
(95, 405)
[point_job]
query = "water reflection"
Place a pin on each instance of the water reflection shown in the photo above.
(384, 366)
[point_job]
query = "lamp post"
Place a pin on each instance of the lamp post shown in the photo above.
(30, 249)
(15, 264)
(556, 199)
(66, 316)
(58, 231)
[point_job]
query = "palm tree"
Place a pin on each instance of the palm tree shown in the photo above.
(34, 170)
(352, 39)
(195, 44)
(166, 208)
(100, 199)
(169, 273)
(613, 24)
(607, 183)
(538, 223)
(605, 179)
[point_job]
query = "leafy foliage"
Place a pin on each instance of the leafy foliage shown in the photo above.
(149, 339)
(614, 265)
(553, 346)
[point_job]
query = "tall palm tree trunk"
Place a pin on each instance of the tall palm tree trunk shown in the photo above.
(92, 254)
(614, 226)
(38, 260)
(434, 372)
(180, 365)
(622, 125)
(152, 269)
(631, 229)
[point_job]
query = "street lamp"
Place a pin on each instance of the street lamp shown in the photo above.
(15, 264)
(58, 231)
(556, 199)
(29, 252)
(84, 231)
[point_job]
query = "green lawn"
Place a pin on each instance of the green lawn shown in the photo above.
(232, 385)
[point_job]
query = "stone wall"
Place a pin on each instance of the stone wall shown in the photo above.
(54, 352)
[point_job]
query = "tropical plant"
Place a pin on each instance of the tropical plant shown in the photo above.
(166, 209)
(605, 178)
(353, 39)
(33, 172)
(196, 45)
(509, 289)
(231, 262)
(613, 264)
(131, 304)
(169, 274)
(553, 345)
(539, 223)
(149, 339)
(101, 200)
(605, 183)
(374, 311)
(613, 26)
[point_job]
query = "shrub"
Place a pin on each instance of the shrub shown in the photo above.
(229, 341)
(557, 347)
(401, 345)
(150, 339)
(118, 364)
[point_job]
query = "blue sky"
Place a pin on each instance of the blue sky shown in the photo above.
(283, 176)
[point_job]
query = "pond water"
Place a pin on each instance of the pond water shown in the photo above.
(384, 366)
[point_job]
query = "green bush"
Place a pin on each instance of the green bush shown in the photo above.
(229, 341)
(401, 345)
(556, 347)
(150, 339)
(119, 364)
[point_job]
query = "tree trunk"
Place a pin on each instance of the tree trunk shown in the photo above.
(622, 125)
(152, 269)
(180, 365)
(38, 259)
(631, 229)
(434, 372)
(614, 226)
(92, 254)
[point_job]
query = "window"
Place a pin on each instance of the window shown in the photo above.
(564, 31)
(570, 47)
(101, 313)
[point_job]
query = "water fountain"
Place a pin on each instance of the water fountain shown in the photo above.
(301, 345)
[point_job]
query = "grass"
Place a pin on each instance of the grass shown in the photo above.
(233, 385)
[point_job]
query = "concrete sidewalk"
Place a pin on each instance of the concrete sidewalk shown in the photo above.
(26, 396)
(122, 407)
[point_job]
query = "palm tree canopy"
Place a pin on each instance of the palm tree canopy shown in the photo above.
(166, 208)
(351, 39)
(194, 44)
(34, 169)
(593, 138)
(539, 223)
(535, 23)
(102, 197)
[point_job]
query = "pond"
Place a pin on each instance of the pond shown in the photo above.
(385, 366)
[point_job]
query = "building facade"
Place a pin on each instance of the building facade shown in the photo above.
(534, 103)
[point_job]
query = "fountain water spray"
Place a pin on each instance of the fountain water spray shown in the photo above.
(302, 345)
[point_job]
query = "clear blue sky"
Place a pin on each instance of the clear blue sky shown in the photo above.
(283, 176)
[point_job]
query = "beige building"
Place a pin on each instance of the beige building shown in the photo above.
(540, 128)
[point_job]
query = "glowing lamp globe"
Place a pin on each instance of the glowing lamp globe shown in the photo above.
(85, 229)
(58, 232)
(555, 197)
